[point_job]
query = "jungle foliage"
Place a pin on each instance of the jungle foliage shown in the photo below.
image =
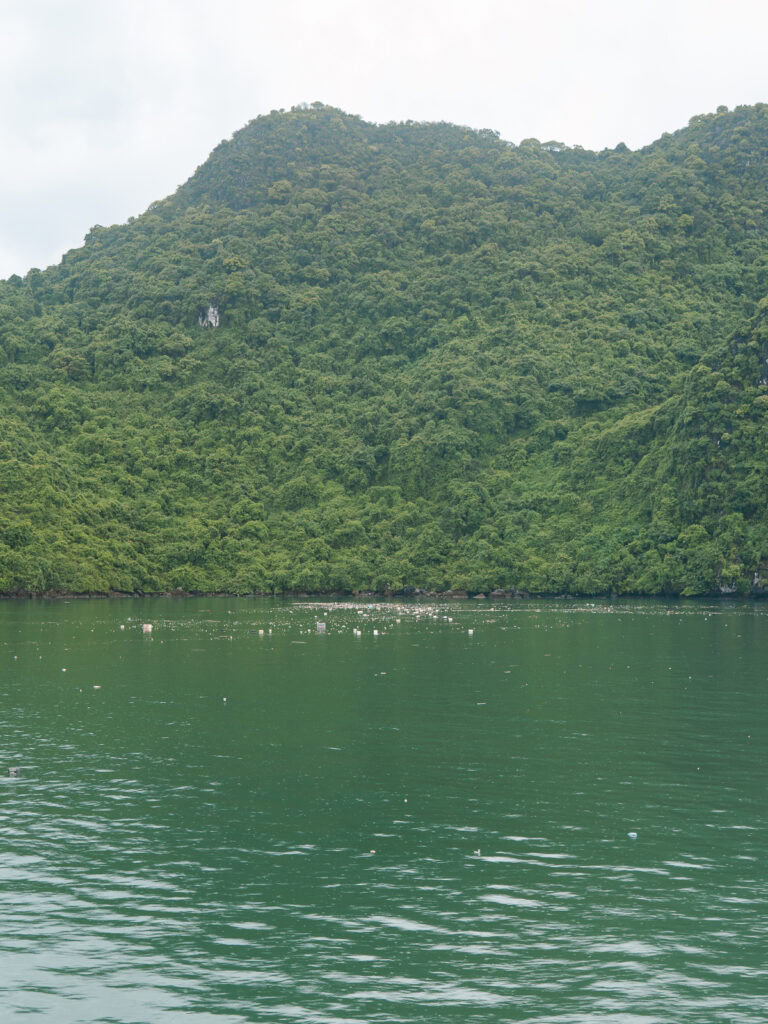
(443, 361)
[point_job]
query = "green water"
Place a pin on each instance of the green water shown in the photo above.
(422, 825)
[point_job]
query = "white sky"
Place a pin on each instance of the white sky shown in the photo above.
(108, 105)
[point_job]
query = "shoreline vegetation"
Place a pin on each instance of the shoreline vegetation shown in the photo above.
(408, 593)
(344, 356)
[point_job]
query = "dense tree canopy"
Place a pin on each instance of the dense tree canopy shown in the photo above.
(442, 361)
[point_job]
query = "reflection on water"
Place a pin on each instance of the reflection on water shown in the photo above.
(212, 824)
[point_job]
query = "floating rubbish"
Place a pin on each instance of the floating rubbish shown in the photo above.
(63, 670)
(632, 835)
(96, 686)
(470, 632)
(375, 632)
(321, 627)
(13, 773)
(261, 632)
(122, 626)
(476, 853)
(146, 627)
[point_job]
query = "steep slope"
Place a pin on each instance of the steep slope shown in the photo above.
(440, 361)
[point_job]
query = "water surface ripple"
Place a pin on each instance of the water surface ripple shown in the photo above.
(558, 818)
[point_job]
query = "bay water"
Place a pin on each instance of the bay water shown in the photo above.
(551, 812)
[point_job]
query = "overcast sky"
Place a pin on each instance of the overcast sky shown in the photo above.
(108, 105)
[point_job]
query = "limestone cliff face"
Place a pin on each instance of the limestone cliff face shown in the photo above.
(209, 317)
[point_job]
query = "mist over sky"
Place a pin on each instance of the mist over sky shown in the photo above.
(109, 106)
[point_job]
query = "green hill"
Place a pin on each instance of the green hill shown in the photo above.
(439, 361)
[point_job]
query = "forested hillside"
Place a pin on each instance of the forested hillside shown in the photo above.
(347, 356)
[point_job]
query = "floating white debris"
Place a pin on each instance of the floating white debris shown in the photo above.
(122, 626)
(96, 686)
(63, 670)
(375, 632)
(470, 631)
(632, 835)
(321, 627)
(261, 632)
(146, 627)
